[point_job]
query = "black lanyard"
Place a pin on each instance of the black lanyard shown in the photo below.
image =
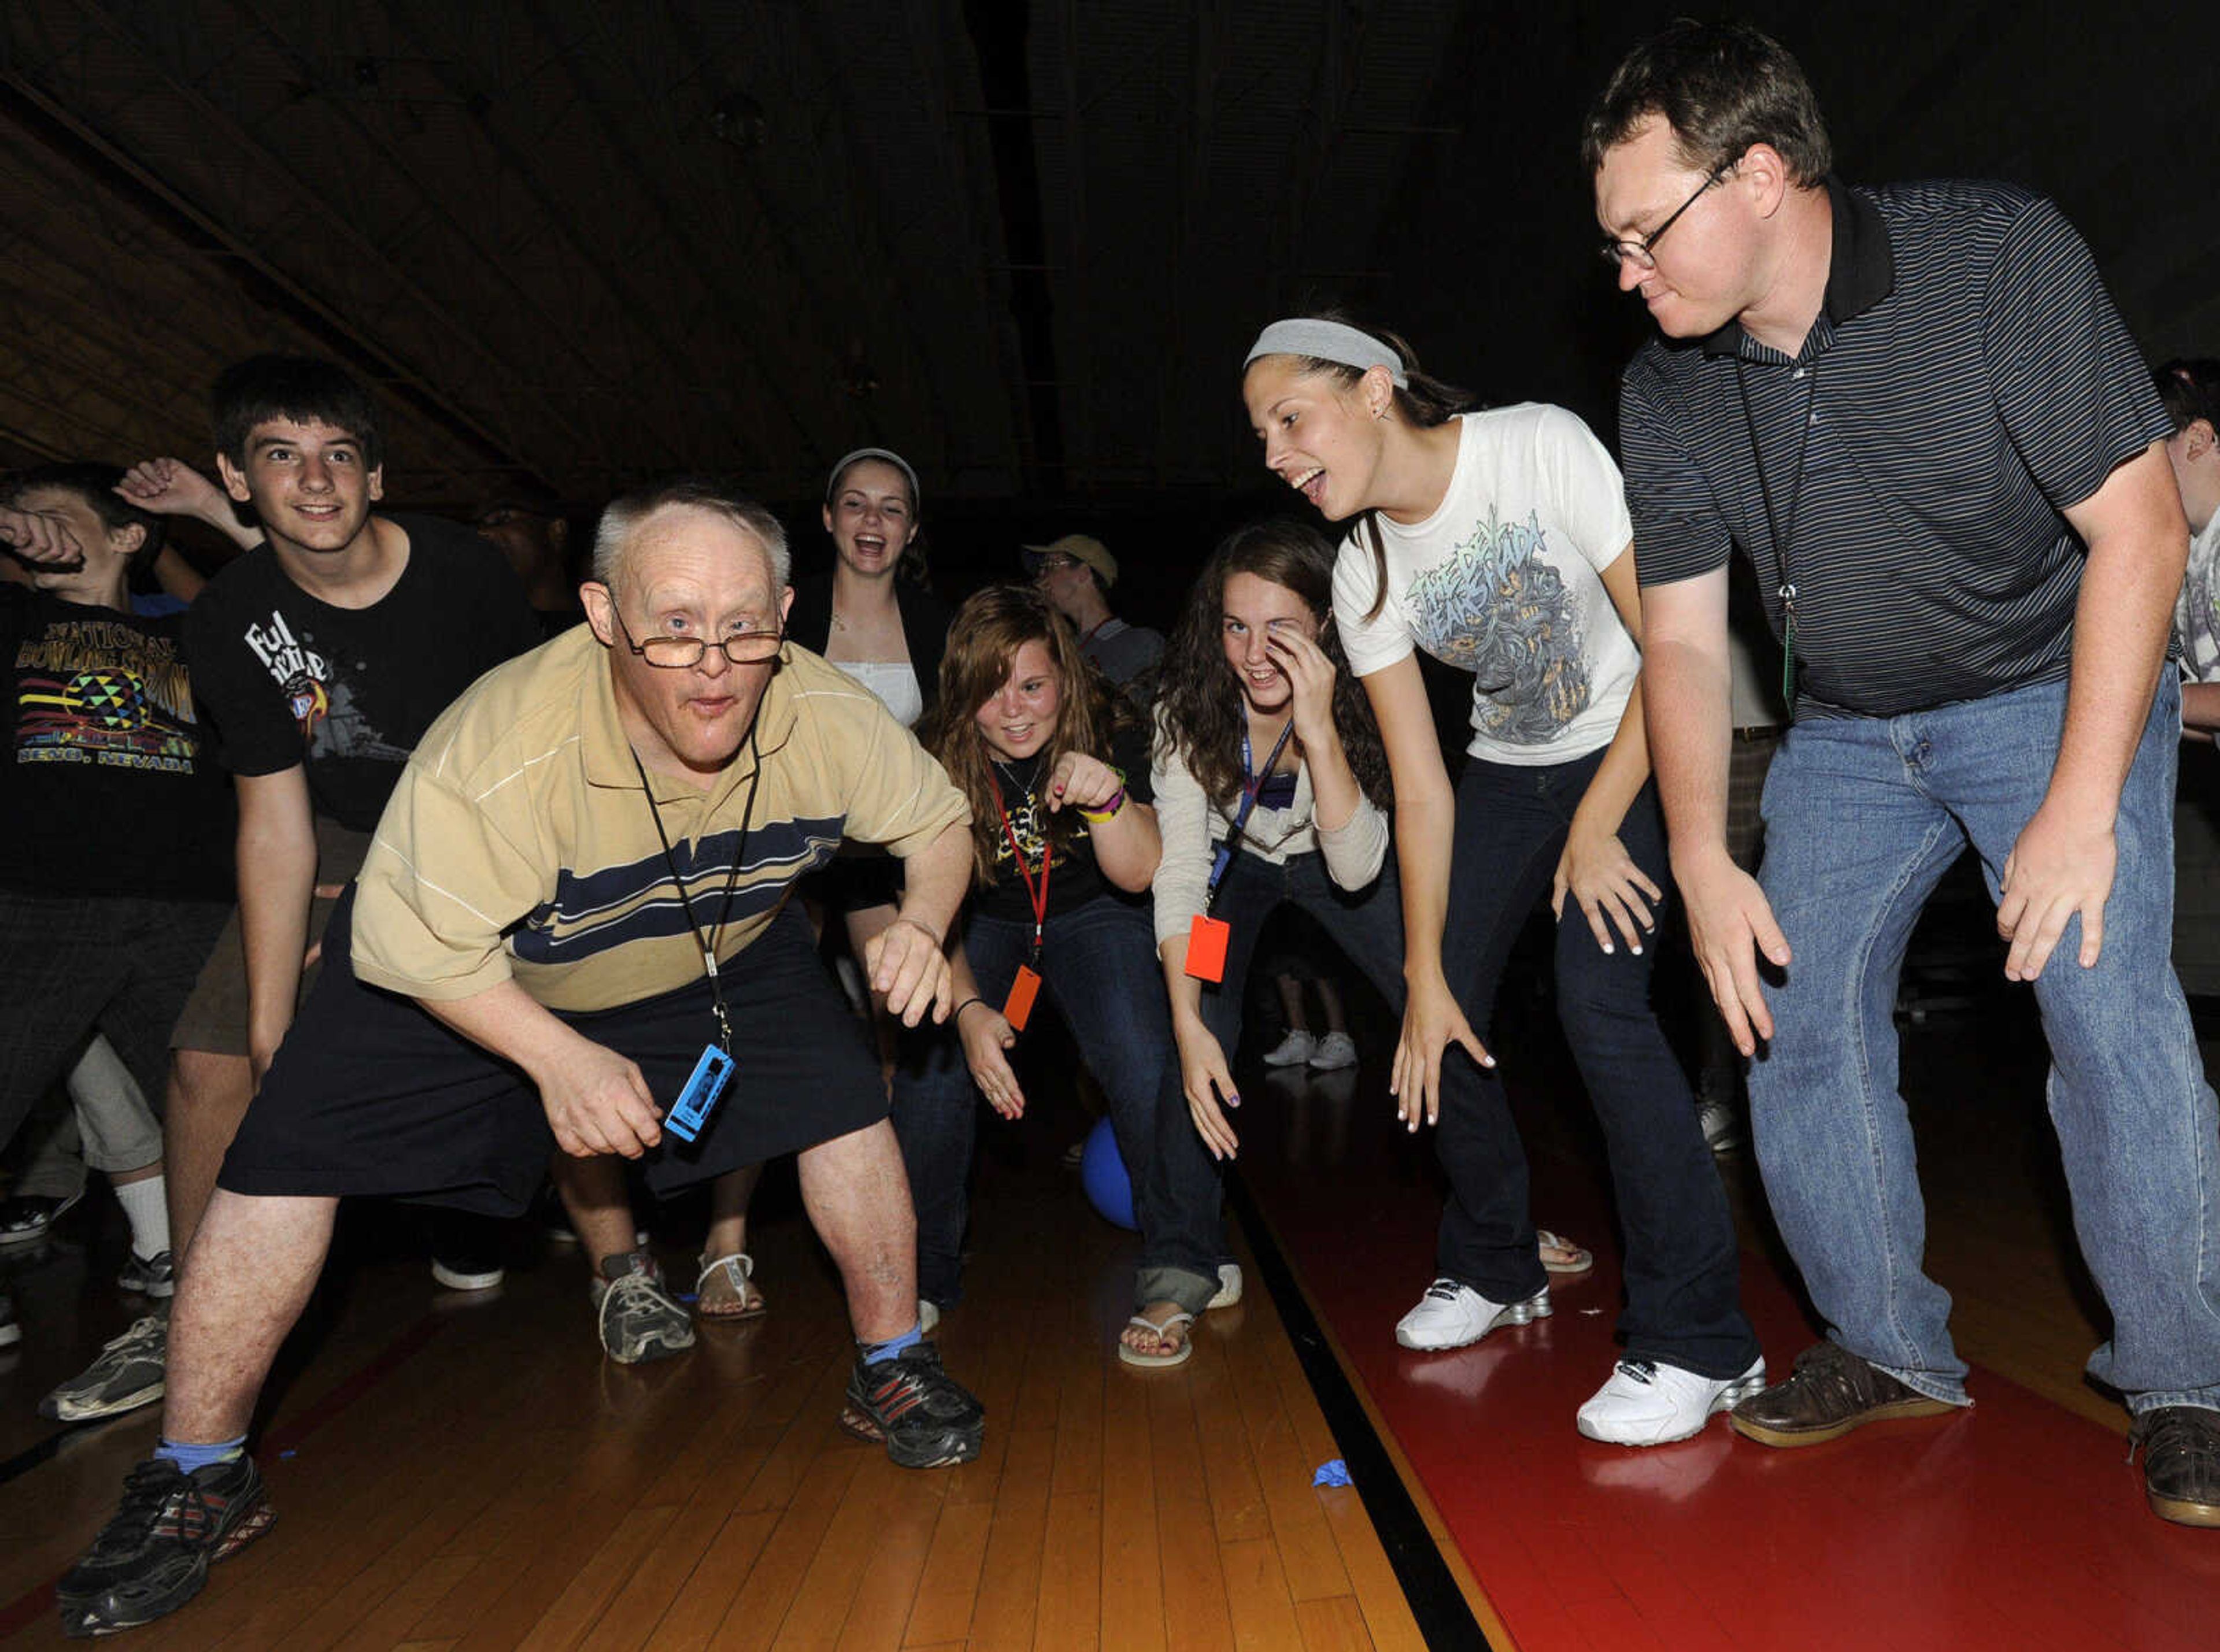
(1781, 536)
(1251, 784)
(708, 942)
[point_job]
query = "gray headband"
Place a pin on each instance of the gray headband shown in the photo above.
(832, 481)
(1333, 341)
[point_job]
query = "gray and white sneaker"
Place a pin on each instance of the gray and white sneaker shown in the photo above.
(25, 1217)
(154, 1275)
(1334, 1051)
(129, 1372)
(1450, 1315)
(639, 1318)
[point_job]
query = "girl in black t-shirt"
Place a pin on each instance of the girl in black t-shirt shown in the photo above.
(1064, 840)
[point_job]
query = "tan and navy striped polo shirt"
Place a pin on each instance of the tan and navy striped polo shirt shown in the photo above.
(519, 843)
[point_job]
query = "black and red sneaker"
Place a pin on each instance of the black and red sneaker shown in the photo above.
(926, 1417)
(155, 1554)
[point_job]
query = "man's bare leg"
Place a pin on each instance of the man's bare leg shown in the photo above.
(254, 1264)
(857, 1197)
(209, 1095)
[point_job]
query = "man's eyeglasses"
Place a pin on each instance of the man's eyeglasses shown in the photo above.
(678, 653)
(1641, 254)
(1055, 564)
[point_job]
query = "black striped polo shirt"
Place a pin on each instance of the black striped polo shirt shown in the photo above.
(1967, 379)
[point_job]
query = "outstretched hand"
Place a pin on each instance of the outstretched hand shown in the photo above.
(1730, 924)
(1432, 1023)
(171, 487)
(2061, 868)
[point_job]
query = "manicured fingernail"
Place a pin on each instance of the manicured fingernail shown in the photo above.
(1636, 950)
(1606, 949)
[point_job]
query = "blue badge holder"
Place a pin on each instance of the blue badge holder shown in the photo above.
(699, 1098)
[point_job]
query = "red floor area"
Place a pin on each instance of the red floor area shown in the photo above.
(2016, 1525)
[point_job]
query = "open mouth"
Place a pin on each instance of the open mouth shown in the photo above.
(1311, 484)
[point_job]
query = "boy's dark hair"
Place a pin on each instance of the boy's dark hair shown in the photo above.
(302, 388)
(2190, 387)
(1721, 87)
(96, 484)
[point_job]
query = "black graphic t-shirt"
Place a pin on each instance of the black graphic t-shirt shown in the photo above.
(1075, 879)
(108, 785)
(287, 678)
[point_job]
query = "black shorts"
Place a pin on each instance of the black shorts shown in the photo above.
(370, 1094)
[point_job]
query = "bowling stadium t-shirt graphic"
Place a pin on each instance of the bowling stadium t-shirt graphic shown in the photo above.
(93, 691)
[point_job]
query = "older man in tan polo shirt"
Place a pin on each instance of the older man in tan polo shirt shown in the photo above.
(579, 892)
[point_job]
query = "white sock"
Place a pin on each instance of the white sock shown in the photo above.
(146, 1202)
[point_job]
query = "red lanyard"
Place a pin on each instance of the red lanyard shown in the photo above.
(1038, 897)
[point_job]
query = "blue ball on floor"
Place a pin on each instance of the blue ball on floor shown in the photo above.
(1102, 1173)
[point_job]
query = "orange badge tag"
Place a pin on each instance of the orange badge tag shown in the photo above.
(1206, 940)
(1023, 991)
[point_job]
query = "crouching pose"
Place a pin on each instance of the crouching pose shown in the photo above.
(1065, 840)
(1499, 542)
(1272, 789)
(578, 893)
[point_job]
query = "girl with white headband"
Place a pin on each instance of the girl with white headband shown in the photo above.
(1499, 542)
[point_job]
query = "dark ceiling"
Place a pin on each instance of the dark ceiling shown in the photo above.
(576, 243)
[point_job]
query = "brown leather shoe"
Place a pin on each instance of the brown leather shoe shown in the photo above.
(1830, 1391)
(2181, 1463)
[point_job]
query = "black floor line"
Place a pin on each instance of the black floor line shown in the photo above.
(1444, 1618)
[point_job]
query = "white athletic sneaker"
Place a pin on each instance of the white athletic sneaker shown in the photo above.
(928, 1314)
(1292, 1050)
(1229, 1286)
(1334, 1051)
(1647, 1404)
(1450, 1315)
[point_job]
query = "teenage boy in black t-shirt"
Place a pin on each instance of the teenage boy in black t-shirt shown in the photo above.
(322, 654)
(117, 877)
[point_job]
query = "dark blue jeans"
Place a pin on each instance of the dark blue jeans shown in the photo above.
(1683, 1304)
(1099, 965)
(1368, 925)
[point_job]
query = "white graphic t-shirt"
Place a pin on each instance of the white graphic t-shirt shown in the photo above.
(2197, 610)
(1504, 581)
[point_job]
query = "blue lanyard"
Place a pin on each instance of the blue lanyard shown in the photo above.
(1253, 782)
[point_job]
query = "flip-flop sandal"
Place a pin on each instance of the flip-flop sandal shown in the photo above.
(1179, 1355)
(725, 1288)
(1578, 1258)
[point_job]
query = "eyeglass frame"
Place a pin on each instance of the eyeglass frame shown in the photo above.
(722, 644)
(1643, 253)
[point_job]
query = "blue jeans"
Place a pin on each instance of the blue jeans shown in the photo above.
(1099, 966)
(1683, 1297)
(1368, 925)
(1862, 815)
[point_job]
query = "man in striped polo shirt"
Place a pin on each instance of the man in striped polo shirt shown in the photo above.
(1918, 414)
(578, 891)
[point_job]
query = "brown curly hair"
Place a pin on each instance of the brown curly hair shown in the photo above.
(990, 628)
(1199, 709)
